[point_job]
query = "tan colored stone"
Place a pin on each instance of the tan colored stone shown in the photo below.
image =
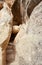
(16, 29)
(5, 31)
(1, 4)
(29, 45)
(9, 2)
(10, 53)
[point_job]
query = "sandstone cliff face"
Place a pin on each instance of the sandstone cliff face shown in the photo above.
(29, 46)
(21, 32)
(22, 9)
(9, 2)
(32, 4)
(5, 31)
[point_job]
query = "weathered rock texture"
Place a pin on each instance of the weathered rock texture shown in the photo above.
(2, 57)
(31, 5)
(1, 6)
(16, 13)
(10, 53)
(29, 46)
(5, 14)
(22, 9)
(5, 31)
(9, 2)
(16, 29)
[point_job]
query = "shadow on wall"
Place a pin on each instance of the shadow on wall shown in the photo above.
(10, 54)
(11, 51)
(16, 10)
(16, 13)
(32, 5)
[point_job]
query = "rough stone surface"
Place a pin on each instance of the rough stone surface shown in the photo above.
(5, 14)
(9, 2)
(32, 4)
(21, 32)
(10, 53)
(29, 46)
(16, 13)
(35, 25)
(22, 9)
(5, 24)
(5, 31)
